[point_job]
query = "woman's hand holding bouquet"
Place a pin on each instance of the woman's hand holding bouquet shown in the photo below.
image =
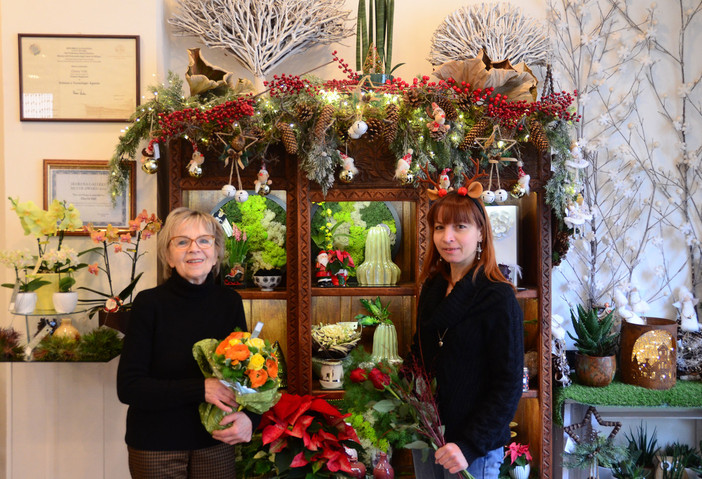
(246, 365)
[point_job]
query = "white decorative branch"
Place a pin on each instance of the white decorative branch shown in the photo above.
(261, 34)
(500, 29)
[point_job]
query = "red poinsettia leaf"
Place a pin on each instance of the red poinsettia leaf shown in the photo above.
(299, 460)
(278, 445)
(272, 432)
(301, 426)
(290, 406)
(321, 405)
(313, 442)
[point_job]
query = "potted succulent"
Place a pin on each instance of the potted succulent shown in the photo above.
(597, 346)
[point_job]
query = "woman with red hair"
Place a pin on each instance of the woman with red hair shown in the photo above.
(469, 338)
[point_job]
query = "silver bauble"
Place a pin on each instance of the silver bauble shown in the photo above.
(501, 195)
(517, 190)
(407, 179)
(195, 171)
(149, 166)
(264, 190)
(346, 176)
(228, 190)
(242, 195)
(488, 196)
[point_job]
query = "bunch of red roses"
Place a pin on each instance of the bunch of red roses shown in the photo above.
(376, 376)
(305, 437)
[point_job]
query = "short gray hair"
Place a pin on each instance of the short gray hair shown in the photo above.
(178, 217)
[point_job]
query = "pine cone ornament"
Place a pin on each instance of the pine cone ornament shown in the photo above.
(480, 128)
(342, 131)
(438, 134)
(412, 98)
(255, 131)
(463, 102)
(390, 125)
(288, 137)
(304, 112)
(326, 117)
(537, 135)
(375, 129)
(449, 110)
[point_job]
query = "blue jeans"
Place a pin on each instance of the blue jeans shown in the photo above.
(486, 467)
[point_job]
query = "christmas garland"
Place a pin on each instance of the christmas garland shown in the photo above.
(437, 122)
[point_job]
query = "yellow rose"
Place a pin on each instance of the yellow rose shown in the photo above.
(256, 362)
(257, 343)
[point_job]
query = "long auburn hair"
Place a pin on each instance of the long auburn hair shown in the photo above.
(453, 209)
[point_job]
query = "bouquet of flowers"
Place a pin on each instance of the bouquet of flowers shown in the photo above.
(334, 341)
(412, 388)
(381, 420)
(303, 437)
(144, 226)
(243, 363)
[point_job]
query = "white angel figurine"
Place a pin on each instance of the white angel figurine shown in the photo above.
(624, 310)
(686, 306)
(638, 305)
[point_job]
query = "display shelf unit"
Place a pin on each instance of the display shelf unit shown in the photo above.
(294, 309)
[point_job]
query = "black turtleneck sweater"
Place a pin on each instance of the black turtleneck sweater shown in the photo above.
(158, 376)
(478, 369)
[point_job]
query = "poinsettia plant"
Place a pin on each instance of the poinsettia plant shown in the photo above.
(518, 455)
(304, 436)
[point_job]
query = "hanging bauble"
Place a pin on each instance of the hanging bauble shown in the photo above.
(517, 190)
(488, 196)
(264, 190)
(149, 166)
(407, 178)
(358, 129)
(501, 195)
(241, 196)
(195, 171)
(228, 190)
(346, 176)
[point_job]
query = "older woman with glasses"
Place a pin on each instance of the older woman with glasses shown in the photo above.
(159, 378)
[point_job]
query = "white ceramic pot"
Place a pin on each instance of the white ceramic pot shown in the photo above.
(520, 472)
(331, 374)
(65, 303)
(25, 303)
(267, 283)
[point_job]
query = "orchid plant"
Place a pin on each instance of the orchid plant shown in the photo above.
(143, 227)
(21, 260)
(237, 245)
(58, 219)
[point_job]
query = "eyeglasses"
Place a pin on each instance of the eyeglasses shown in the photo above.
(183, 242)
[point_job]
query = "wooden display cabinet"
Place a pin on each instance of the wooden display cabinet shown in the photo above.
(290, 312)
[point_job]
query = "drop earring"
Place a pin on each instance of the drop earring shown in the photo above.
(479, 250)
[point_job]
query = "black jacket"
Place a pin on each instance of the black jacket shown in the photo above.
(158, 376)
(479, 368)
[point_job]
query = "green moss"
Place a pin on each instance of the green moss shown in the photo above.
(683, 394)
(263, 220)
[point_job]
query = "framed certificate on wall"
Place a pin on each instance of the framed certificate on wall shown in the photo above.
(85, 184)
(78, 77)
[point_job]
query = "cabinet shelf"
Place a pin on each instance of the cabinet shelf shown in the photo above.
(403, 289)
(291, 311)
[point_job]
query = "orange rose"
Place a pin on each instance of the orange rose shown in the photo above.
(258, 377)
(272, 367)
(238, 352)
(239, 335)
(222, 347)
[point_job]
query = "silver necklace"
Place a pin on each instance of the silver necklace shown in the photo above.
(441, 337)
